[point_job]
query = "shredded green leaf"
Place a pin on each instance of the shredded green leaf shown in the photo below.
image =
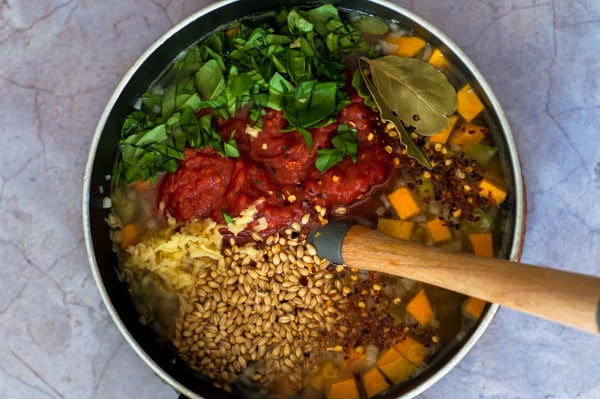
(294, 63)
(227, 217)
(344, 144)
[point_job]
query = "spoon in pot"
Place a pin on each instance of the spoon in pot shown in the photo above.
(563, 297)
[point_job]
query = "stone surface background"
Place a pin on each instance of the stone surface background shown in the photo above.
(59, 63)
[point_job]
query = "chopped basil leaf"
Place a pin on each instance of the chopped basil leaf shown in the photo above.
(344, 144)
(293, 63)
(209, 80)
(310, 103)
(227, 217)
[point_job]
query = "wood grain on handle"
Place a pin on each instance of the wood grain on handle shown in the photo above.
(567, 298)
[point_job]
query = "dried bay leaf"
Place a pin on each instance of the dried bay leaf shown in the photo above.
(414, 91)
(412, 149)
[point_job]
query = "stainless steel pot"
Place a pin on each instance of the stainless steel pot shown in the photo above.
(104, 149)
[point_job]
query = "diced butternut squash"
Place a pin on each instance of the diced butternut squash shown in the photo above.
(437, 59)
(406, 46)
(354, 361)
(411, 349)
(387, 356)
(130, 235)
(401, 229)
(438, 230)
(404, 203)
(344, 389)
(442, 136)
(473, 307)
(395, 366)
(468, 103)
(492, 189)
(482, 244)
(468, 134)
(374, 382)
(326, 371)
(420, 308)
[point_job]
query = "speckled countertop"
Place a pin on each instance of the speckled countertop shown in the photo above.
(59, 63)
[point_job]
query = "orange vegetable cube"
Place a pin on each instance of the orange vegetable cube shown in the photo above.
(344, 389)
(468, 103)
(482, 244)
(401, 229)
(467, 134)
(442, 136)
(473, 307)
(130, 235)
(395, 366)
(387, 356)
(420, 308)
(439, 230)
(492, 189)
(406, 46)
(437, 59)
(374, 382)
(411, 349)
(326, 371)
(404, 202)
(354, 360)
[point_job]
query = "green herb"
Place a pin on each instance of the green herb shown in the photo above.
(210, 81)
(409, 92)
(294, 63)
(309, 106)
(230, 147)
(227, 217)
(344, 144)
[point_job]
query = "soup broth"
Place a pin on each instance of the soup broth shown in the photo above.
(257, 134)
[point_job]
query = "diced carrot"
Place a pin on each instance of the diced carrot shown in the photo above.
(411, 349)
(404, 202)
(420, 308)
(437, 59)
(406, 46)
(344, 389)
(374, 382)
(468, 103)
(232, 31)
(492, 189)
(401, 229)
(439, 230)
(442, 136)
(473, 307)
(130, 235)
(467, 134)
(482, 244)
(142, 185)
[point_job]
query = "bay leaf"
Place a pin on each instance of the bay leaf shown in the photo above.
(412, 149)
(416, 92)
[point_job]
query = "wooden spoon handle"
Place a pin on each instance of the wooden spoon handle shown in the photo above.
(567, 298)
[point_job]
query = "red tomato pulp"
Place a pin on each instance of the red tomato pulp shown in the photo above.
(278, 168)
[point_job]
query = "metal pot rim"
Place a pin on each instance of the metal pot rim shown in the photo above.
(515, 170)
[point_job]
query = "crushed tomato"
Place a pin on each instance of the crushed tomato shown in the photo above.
(279, 168)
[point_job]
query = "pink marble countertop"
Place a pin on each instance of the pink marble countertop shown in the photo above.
(59, 63)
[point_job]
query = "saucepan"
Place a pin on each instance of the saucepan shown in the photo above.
(106, 148)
